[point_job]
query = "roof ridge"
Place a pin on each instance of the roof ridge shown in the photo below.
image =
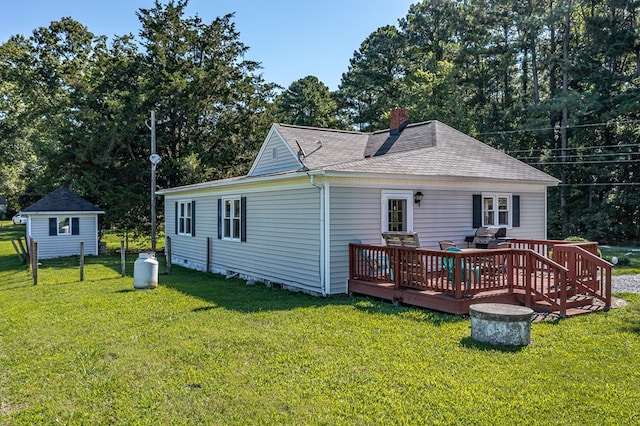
(322, 129)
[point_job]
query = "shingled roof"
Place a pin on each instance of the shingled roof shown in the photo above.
(422, 149)
(62, 200)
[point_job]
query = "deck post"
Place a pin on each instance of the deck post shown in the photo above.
(528, 258)
(457, 275)
(396, 266)
(510, 270)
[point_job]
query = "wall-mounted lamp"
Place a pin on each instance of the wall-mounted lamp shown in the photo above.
(417, 197)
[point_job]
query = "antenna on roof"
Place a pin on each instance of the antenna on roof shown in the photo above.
(301, 153)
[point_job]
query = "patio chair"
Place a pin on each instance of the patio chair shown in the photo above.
(445, 244)
(377, 263)
(449, 265)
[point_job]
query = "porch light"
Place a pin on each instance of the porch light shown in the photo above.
(417, 197)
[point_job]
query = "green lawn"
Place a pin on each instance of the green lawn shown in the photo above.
(200, 349)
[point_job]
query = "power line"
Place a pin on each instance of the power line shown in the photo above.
(581, 156)
(601, 184)
(627, 145)
(584, 162)
(544, 129)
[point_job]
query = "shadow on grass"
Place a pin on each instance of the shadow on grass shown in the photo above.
(468, 342)
(235, 294)
(379, 306)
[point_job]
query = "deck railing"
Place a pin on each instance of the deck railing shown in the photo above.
(543, 269)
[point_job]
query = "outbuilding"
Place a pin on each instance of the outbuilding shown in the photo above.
(60, 221)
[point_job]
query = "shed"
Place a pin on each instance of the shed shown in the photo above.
(60, 221)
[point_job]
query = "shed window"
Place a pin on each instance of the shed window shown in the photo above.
(64, 225)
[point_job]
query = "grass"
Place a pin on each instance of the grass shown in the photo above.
(628, 263)
(200, 349)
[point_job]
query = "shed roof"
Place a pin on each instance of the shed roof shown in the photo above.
(62, 200)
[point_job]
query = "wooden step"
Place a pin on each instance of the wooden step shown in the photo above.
(573, 302)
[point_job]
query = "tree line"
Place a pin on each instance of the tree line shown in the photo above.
(555, 84)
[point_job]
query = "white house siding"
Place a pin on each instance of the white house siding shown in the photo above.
(355, 215)
(444, 213)
(191, 251)
(283, 237)
(285, 160)
(50, 247)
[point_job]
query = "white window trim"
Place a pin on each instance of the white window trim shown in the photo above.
(224, 218)
(495, 196)
(384, 205)
(58, 225)
(186, 233)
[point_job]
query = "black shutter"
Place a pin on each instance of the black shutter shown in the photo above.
(176, 218)
(477, 210)
(516, 210)
(219, 218)
(75, 226)
(243, 218)
(53, 226)
(193, 218)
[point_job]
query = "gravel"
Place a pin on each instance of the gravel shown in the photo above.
(625, 283)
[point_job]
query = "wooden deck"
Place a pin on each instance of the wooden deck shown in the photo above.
(548, 276)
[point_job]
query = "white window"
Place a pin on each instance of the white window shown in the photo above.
(232, 215)
(185, 217)
(496, 210)
(64, 226)
(397, 211)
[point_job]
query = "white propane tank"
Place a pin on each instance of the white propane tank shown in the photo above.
(145, 271)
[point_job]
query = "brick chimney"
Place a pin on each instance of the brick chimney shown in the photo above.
(398, 119)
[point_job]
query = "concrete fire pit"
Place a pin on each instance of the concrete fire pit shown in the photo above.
(501, 324)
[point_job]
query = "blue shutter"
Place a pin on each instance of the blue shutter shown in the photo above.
(219, 218)
(75, 226)
(477, 211)
(53, 226)
(243, 218)
(516, 211)
(193, 218)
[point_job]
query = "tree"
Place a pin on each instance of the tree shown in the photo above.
(86, 102)
(372, 84)
(308, 102)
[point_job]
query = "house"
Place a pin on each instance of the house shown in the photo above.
(311, 191)
(60, 221)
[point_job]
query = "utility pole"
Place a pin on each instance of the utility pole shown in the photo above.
(565, 116)
(155, 159)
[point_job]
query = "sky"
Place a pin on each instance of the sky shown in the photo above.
(291, 39)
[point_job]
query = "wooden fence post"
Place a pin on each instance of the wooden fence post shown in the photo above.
(168, 255)
(123, 259)
(208, 253)
(34, 261)
(81, 260)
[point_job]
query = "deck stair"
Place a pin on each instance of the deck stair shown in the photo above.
(576, 303)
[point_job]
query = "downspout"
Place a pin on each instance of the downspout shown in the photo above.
(323, 267)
